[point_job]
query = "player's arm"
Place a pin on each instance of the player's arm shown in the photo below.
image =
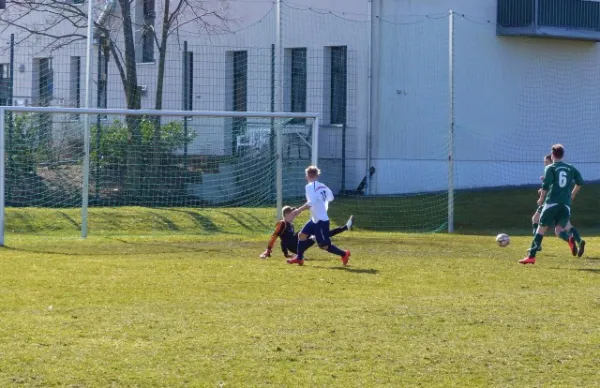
(302, 208)
(574, 192)
(278, 229)
(548, 181)
(308, 204)
(578, 183)
(330, 196)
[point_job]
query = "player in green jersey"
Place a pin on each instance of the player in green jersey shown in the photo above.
(561, 184)
(535, 219)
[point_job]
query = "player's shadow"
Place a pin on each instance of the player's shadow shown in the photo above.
(369, 271)
(592, 270)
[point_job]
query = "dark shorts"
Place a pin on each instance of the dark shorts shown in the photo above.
(318, 229)
(292, 244)
(557, 214)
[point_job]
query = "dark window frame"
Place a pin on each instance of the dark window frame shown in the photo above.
(298, 81)
(338, 85)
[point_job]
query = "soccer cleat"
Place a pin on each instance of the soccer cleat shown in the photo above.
(345, 258)
(295, 260)
(350, 222)
(573, 246)
(581, 248)
(528, 260)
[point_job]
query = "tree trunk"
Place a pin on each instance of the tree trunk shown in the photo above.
(160, 79)
(133, 170)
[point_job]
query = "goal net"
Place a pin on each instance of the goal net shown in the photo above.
(154, 172)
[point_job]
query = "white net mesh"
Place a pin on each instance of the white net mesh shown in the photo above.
(151, 161)
(512, 98)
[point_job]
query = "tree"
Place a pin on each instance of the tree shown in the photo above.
(64, 22)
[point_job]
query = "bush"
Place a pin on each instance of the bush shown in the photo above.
(114, 142)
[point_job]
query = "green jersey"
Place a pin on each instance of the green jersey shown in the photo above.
(559, 180)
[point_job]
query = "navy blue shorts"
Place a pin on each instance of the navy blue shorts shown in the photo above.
(319, 229)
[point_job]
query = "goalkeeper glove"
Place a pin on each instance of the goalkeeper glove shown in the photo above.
(266, 254)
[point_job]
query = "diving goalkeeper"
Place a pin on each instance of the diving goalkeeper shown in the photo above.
(289, 238)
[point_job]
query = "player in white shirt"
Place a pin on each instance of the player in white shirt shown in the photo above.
(318, 197)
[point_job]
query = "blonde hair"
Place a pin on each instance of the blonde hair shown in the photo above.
(287, 210)
(312, 171)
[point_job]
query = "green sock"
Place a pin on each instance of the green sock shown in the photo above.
(564, 235)
(535, 244)
(535, 226)
(576, 235)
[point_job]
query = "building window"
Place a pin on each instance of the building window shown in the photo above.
(338, 85)
(148, 31)
(240, 81)
(4, 71)
(298, 81)
(45, 77)
(2, 4)
(239, 91)
(188, 79)
(75, 84)
(102, 95)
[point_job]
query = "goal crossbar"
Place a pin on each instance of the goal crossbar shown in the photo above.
(154, 112)
(150, 112)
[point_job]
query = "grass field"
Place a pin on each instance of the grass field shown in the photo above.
(434, 310)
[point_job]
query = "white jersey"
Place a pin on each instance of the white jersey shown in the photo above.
(318, 196)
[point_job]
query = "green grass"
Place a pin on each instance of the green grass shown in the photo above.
(410, 310)
(178, 297)
(481, 212)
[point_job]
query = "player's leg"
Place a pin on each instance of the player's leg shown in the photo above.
(322, 235)
(535, 219)
(303, 243)
(576, 243)
(342, 229)
(292, 245)
(546, 218)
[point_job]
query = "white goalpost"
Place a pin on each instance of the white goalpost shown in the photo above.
(151, 158)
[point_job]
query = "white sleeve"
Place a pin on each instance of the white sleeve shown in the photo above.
(309, 198)
(330, 196)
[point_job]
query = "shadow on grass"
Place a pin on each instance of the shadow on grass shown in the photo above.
(134, 248)
(241, 223)
(592, 270)
(70, 219)
(165, 221)
(41, 251)
(258, 220)
(368, 271)
(200, 221)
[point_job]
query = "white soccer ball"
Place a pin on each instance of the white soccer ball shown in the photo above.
(503, 239)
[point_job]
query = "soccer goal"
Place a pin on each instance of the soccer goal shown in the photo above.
(146, 158)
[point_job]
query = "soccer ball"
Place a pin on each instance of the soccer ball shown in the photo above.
(503, 239)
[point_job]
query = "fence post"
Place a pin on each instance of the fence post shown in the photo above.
(85, 189)
(451, 122)
(9, 114)
(279, 108)
(2, 176)
(101, 74)
(186, 103)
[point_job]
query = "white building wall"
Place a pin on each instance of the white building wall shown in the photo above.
(513, 98)
(255, 24)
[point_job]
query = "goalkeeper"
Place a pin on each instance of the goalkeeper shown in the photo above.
(289, 239)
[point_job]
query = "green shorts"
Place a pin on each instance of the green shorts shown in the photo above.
(555, 213)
